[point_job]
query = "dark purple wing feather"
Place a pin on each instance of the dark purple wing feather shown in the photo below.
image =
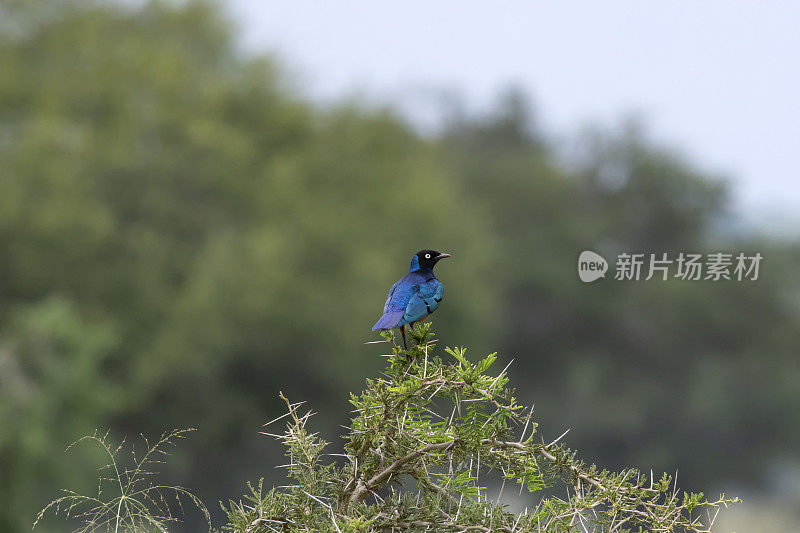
(389, 320)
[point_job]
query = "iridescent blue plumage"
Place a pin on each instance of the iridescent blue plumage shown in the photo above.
(415, 295)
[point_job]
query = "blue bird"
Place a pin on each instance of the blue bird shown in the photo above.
(414, 296)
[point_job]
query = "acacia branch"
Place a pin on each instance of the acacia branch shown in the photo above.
(544, 452)
(364, 488)
(405, 525)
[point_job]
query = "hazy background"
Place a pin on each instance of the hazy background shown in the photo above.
(202, 204)
(717, 78)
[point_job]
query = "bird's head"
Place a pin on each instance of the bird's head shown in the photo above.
(426, 259)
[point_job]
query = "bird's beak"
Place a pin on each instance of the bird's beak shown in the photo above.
(442, 256)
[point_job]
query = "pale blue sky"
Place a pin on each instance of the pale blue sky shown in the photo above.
(718, 79)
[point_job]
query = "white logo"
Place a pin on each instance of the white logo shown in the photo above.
(591, 266)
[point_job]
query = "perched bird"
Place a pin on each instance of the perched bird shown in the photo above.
(414, 296)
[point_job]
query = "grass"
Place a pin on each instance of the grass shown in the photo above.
(127, 497)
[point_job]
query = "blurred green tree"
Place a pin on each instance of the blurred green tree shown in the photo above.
(220, 235)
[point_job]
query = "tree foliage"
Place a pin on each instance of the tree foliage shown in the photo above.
(424, 436)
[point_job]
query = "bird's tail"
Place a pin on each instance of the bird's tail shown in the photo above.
(389, 320)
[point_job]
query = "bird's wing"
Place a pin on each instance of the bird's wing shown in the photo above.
(424, 300)
(395, 305)
(388, 306)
